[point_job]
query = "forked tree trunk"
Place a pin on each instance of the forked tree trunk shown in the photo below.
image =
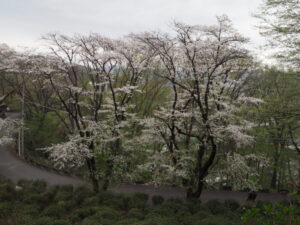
(202, 171)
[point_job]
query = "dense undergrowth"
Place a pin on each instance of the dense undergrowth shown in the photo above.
(35, 204)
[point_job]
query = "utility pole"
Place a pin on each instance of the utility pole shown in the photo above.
(21, 131)
(23, 115)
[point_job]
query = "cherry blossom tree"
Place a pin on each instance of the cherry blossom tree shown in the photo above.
(95, 79)
(204, 66)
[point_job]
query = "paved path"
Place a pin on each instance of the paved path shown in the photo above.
(15, 169)
(174, 192)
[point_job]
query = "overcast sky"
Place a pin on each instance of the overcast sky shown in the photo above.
(23, 22)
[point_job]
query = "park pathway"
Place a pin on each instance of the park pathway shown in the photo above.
(15, 169)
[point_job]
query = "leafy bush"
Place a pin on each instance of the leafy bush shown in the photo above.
(61, 222)
(194, 205)
(129, 221)
(53, 211)
(36, 199)
(106, 213)
(31, 210)
(24, 220)
(105, 196)
(6, 209)
(93, 221)
(276, 214)
(232, 204)
(260, 204)
(38, 186)
(24, 183)
(136, 214)
(67, 188)
(158, 221)
(63, 196)
(6, 196)
(81, 194)
(82, 213)
(216, 207)
(43, 221)
(157, 200)
(217, 220)
(138, 200)
(90, 201)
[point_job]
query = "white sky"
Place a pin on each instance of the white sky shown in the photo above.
(23, 22)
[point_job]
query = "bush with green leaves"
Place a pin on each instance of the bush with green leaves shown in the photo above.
(216, 207)
(54, 211)
(275, 214)
(6, 209)
(138, 200)
(157, 200)
(40, 205)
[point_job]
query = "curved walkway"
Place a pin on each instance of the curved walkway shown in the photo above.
(16, 169)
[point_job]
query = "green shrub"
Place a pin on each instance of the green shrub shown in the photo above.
(194, 205)
(90, 201)
(24, 220)
(82, 213)
(158, 221)
(276, 214)
(67, 188)
(159, 211)
(217, 220)
(31, 210)
(26, 184)
(81, 194)
(7, 192)
(55, 211)
(128, 221)
(6, 209)
(119, 202)
(50, 194)
(175, 207)
(61, 222)
(136, 214)
(43, 221)
(157, 200)
(38, 186)
(67, 205)
(36, 199)
(6, 196)
(261, 204)
(216, 207)
(92, 221)
(105, 196)
(138, 200)
(141, 196)
(106, 213)
(63, 196)
(232, 205)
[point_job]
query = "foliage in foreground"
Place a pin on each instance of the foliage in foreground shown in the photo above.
(62, 205)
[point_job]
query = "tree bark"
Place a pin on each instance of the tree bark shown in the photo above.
(92, 173)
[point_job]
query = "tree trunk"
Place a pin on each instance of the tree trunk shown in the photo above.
(274, 179)
(92, 173)
(202, 171)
